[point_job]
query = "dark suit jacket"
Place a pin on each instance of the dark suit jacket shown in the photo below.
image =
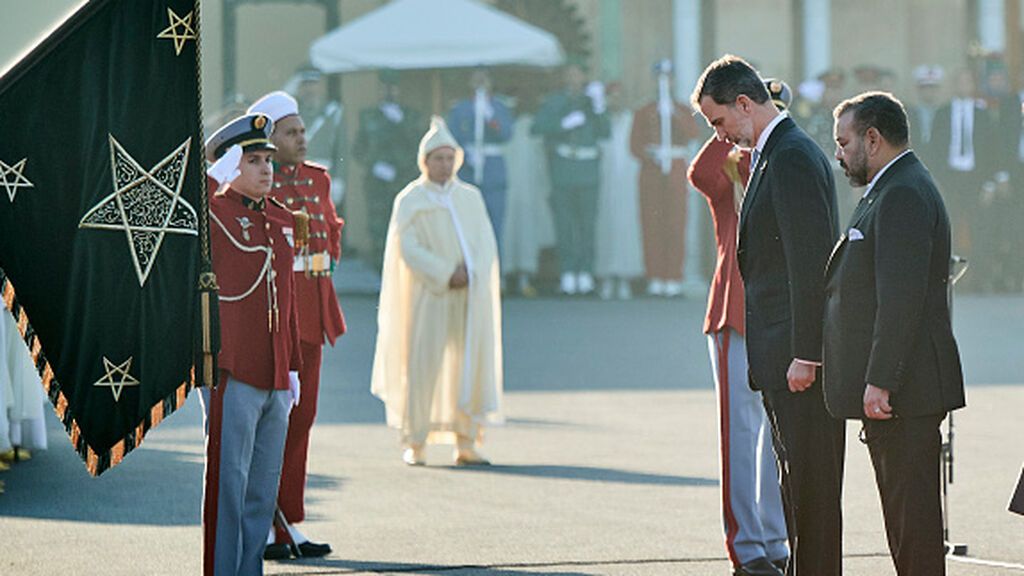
(887, 309)
(788, 225)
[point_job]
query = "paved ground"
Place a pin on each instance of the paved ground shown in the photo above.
(607, 465)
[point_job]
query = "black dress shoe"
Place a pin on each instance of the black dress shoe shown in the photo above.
(758, 567)
(277, 552)
(314, 549)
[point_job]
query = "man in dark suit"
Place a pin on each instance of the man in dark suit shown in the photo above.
(890, 357)
(788, 224)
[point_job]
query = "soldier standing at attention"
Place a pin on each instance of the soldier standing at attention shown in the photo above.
(571, 122)
(482, 124)
(251, 239)
(306, 187)
(386, 144)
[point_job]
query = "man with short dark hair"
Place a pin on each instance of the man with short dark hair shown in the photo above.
(890, 357)
(788, 224)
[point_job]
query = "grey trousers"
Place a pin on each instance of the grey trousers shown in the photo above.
(253, 427)
(752, 513)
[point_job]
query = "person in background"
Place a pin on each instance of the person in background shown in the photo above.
(438, 360)
(385, 145)
(618, 252)
(326, 139)
(661, 131)
(482, 124)
(528, 223)
(572, 121)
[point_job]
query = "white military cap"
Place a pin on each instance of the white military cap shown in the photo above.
(276, 105)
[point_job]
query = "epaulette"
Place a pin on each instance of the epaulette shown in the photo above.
(315, 166)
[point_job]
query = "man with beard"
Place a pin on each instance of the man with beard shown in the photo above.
(890, 357)
(788, 224)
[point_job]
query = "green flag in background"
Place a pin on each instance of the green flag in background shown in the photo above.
(103, 217)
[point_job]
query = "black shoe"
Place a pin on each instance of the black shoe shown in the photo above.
(758, 567)
(313, 549)
(277, 552)
(781, 564)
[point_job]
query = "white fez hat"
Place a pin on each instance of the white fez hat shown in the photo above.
(437, 137)
(277, 105)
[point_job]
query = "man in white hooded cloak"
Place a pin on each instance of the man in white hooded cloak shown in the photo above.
(438, 362)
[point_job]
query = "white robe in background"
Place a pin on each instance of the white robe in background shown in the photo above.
(618, 246)
(528, 224)
(430, 336)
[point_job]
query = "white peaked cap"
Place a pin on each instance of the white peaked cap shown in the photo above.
(277, 105)
(437, 137)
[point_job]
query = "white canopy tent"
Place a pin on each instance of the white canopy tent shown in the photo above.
(418, 34)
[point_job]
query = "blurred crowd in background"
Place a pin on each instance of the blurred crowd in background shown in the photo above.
(597, 204)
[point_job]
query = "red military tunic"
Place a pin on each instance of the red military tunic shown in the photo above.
(259, 344)
(709, 175)
(662, 196)
(259, 328)
(307, 188)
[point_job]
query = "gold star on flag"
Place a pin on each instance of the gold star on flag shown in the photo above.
(117, 377)
(12, 178)
(171, 32)
(146, 205)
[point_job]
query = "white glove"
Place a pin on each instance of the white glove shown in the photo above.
(392, 112)
(573, 119)
(384, 171)
(294, 387)
(226, 169)
(596, 92)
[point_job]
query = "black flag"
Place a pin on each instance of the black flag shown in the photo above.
(103, 217)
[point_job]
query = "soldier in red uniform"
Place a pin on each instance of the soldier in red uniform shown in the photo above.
(251, 239)
(661, 131)
(306, 187)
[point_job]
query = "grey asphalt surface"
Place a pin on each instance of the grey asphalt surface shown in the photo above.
(607, 464)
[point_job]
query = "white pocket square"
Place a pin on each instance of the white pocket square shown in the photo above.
(855, 235)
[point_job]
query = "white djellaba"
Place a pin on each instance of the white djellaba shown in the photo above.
(438, 360)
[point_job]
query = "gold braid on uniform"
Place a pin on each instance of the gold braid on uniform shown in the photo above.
(301, 229)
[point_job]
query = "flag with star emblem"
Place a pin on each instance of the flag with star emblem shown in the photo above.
(103, 230)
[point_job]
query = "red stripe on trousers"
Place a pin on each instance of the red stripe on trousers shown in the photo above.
(732, 527)
(291, 494)
(212, 488)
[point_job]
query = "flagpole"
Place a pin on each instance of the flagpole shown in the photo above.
(207, 279)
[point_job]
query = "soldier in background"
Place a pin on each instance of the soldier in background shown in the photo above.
(928, 80)
(325, 129)
(386, 145)
(661, 131)
(482, 124)
(572, 121)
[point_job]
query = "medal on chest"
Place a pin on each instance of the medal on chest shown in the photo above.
(245, 223)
